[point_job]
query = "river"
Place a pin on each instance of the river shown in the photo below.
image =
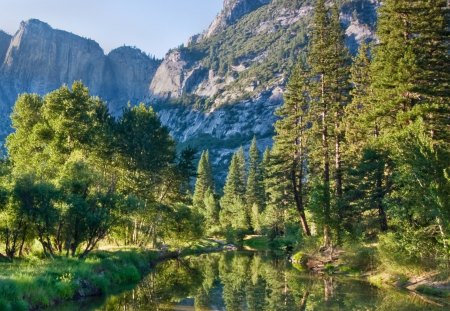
(238, 281)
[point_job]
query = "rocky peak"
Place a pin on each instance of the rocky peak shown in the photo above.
(5, 39)
(41, 58)
(129, 73)
(231, 12)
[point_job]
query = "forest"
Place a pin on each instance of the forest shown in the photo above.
(361, 151)
(360, 162)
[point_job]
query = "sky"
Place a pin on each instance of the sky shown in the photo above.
(154, 26)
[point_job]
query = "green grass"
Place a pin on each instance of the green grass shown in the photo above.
(257, 243)
(37, 283)
(200, 246)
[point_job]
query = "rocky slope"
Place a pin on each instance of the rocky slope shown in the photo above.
(224, 86)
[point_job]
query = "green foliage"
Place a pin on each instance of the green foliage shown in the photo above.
(75, 174)
(204, 200)
(234, 212)
(43, 283)
(432, 291)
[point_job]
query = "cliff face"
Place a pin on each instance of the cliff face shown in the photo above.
(5, 39)
(128, 75)
(39, 59)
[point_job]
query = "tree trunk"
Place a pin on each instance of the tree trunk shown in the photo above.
(304, 301)
(298, 194)
(326, 183)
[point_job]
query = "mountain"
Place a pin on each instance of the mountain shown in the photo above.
(39, 59)
(223, 87)
(217, 91)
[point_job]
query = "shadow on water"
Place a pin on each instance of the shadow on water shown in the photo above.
(238, 281)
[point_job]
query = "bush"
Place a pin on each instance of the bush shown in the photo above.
(360, 258)
(300, 258)
(433, 291)
(408, 250)
(65, 289)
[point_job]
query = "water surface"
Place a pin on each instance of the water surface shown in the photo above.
(239, 281)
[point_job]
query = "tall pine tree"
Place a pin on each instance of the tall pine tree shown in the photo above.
(204, 182)
(255, 189)
(329, 88)
(290, 144)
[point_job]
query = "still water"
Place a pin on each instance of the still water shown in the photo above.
(238, 281)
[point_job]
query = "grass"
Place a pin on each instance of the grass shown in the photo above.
(36, 283)
(255, 242)
(201, 246)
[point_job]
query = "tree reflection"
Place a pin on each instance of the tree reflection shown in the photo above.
(247, 281)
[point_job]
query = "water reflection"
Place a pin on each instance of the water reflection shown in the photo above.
(249, 281)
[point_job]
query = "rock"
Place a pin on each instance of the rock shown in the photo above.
(230, 247)
(5, 40)
(169, 78)
(232, 11)
(130, 73)
(40, 59)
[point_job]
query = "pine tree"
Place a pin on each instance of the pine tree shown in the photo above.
(340, 78)
(264, 172)
(410, 83)
(211, 211)
(364, 153)
(234, 193)
(204, 182)
(329, 87)
(255, 190)
(290, 144)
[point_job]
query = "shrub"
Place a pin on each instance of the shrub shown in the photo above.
(300, 258)
(433, 291)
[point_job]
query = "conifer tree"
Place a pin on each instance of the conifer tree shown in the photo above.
(255, 190)
(410, 83)
(290, 144)
(233, 208)
(364, 153)
(203, 183)
(329, 87)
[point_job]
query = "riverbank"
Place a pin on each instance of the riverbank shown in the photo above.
(432, 285)
(35, 283)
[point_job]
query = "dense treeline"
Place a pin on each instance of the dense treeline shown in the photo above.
(75, 176)
(362, 146)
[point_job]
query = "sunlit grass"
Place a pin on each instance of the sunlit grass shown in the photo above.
(38, 283)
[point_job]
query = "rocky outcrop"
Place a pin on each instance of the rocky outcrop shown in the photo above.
(129, 73)
(40, 59)
(232, 11)
(224, 129)
(169, 78)
(237, 70)
(5, 39)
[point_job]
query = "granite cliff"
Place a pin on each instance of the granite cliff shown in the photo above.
(39, 59)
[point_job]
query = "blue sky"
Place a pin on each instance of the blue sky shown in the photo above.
(154, 26)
